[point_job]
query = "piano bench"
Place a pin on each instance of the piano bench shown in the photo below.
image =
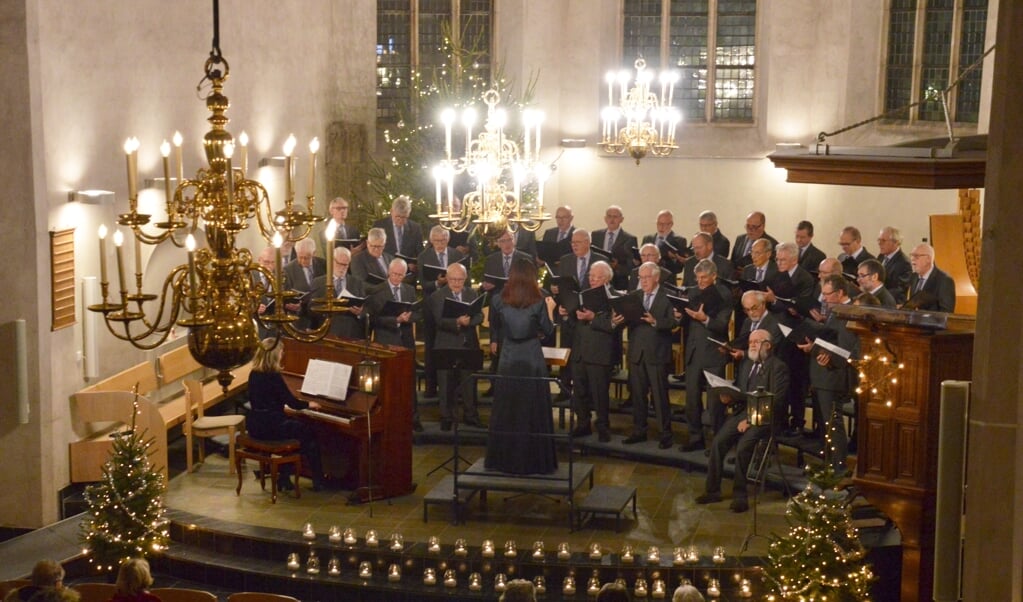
(270, 455)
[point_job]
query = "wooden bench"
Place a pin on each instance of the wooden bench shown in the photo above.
(96, 413)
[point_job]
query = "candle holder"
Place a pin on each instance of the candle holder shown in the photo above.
(596, 553)
(678, 556)
(334, 534)
(487, 549)
(334, 567)
(372, 540)
(540, 584)
(450, 578)
(430, 576)
(511, 550)
(433, 545)
(719, 555)
(564, 551)
(348, 536)
(308, 532)
(475, 582)
(394, 573)
(568, 586)
(460, 548)
(293, 563)
(538, 550)
(714, 588)
(397, 542)
(500, 583)
(312, 564)
(760, 407)
(628, 554)
(365, 569)
(653, 555)
(593, 584)
(639, 589)
(745, 588)
(659, 589)
(692, 555)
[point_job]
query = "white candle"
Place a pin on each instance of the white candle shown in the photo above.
(243, 140)
(314, 147)
(289, 169)
(131, 150)
(103, 253)
(118, 242)
(437, 177)
(329, 235)
(228, 155)
(451, 192)
(447, 118)
(190, 245)
(138, 260)
(278, 240)
(177, 156)
(165, 153)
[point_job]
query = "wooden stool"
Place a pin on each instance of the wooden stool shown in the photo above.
(270, 455)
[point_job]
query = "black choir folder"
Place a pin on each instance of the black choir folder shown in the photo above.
(326, 379)
(457, 309)
(353, 300)
(433, 272)
(393, 309)
(497, 281)
(552, 252)
(629, 306)
(595, 299)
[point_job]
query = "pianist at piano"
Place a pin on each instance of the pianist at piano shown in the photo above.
(268, 394)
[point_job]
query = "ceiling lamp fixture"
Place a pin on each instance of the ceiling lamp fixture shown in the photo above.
(650, 120)
(216, 294)
(500, 173)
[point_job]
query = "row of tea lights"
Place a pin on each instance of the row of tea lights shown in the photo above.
(641, 589)
(628, 554)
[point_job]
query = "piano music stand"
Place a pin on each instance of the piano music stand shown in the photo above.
(469, 360)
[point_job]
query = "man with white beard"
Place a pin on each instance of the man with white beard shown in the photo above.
(759, 369)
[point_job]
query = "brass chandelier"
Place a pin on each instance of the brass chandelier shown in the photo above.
(217, 293)
(649, 119)
(499, 169)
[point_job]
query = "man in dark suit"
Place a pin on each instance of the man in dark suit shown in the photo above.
(760, 369)
(670, 260)
(561, 234)
(350, 324)
(437, 254)
(396, 330)
(762, 271)
(592, 358)
(834, 380)
(709, 224)
(619, 243)
(756, 223)
(754, 306)
(404, 236)
(299, 276)
(649, 355)
(573, 265)
(896, 265)
(706, 320)
(371, 265)
(650, 252)
(870, 275)
(853, 253)
(809, 255)
(703, 248)
(455, 333)
(929, 287)
(343, 229)
(267, 259)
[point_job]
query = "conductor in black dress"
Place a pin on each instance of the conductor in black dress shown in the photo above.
(268, 394)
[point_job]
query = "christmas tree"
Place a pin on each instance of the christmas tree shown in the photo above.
(821, 558)
(126, 512)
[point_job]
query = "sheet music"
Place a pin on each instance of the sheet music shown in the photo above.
(715, 382)
(831, 347)
(326, 379)
(556, 353)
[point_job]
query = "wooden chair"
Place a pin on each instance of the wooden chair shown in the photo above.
(181, 594)
(207, 426)
(9, 586)
(95, 592)
(260, 597)
(270, 455)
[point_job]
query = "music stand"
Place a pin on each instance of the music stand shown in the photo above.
(455, 360)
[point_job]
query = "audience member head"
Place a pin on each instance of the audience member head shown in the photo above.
(922, 258)
(47, 573)
(665, 222)
(600, 273)
(439, 238)
(268, 356)
(866, 299)
(613, 592)
(613, 218)
(580, 242)
(133, 577)
(755, 223)
(521, 290)
(55, 594)
(889, 240)
(804, 233)
(687, 593)
(708, 222)
(703, 245)
(519, 590)
(376, 240)
(850, 240)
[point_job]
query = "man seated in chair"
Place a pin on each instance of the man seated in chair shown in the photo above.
(759, 369)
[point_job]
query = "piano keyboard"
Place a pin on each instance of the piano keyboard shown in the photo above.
(326, 417)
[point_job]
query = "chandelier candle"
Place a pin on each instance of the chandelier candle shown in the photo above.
(243, 140)
(177, 139)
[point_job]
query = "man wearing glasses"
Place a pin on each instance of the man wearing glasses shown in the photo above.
(618, 243)
(870, 274)
(929, 287)
(853, 253)
(896, 264)
(371, 266)
(350, 324)
(756, 223)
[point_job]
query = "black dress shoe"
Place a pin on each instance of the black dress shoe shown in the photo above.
(445, 425)
(603, 436)
(665, 442)
(693, 446)
(417, 426)
(739, 505)
(634, 438)
(708, 498)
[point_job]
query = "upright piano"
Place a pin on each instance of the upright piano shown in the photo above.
(366, 440)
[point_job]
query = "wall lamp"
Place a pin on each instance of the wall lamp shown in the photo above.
(90, 197)
(573, 143)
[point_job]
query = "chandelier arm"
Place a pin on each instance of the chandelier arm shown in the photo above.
(155, 326)
(306, 336)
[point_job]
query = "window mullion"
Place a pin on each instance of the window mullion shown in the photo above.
(953, 59)
(665, 34)
(712, 60)
(919, 34)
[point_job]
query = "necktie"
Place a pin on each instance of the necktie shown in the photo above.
(801, 251)
(308, 274)
(610, 242)
(458, 297)
(383, 265)
(887, 260)
(397, 293)
(507, 265)
(760, 274)
(749, 247)
(561, 235)
(339, 286)
(397, 238)
(341, 233)
(660, 240)
(443, 259)
(919, 285)
(582, 269)
(753, 326)
(648, 301)
(754, 371)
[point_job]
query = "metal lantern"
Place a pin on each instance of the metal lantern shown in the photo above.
(760, 407)
(369, 376)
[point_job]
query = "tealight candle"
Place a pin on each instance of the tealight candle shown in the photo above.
(308, 532)
(460, 548)
(639, 589)
(692, 555)
(394, 573)
(538, 551)
(293, 563)
(312, 564)
(371, 538)
(628, 554)
(487, 549)
(475, 582)
(349, 537)
(334, 534)
(713, 588)
(593, 584)
(334, 567)
(678, 556)
(540, 583)
(430, 576)
(397, 542)
(433, 545)
(510, 549)
(653, 554)
(450, 578)
(595, 552)
(568, 586)
(365, 569)
(564, 551)
(500, 583)
(745, 588)
(719, 555)
(658, 589)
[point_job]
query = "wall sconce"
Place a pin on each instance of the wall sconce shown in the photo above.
(159, 183)
(92, 196)
(279, 161)
(573, 143)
